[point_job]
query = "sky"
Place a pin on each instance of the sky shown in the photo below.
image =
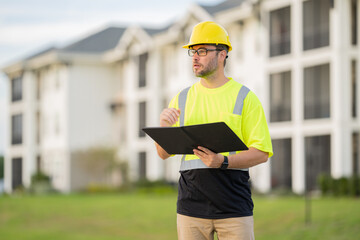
(29, 26)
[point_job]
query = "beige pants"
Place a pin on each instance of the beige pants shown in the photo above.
(190, 228)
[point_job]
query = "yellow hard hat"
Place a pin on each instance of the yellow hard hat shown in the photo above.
(208, 33)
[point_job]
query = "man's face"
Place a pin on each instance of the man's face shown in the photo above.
(204, 66)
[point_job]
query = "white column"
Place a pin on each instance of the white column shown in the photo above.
(297, 81)
(7, 156)
(340, 87)
(29, 127)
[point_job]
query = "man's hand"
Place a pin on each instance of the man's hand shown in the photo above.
(209, 158)
(169, 116)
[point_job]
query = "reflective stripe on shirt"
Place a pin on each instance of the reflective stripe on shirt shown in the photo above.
(197, 163)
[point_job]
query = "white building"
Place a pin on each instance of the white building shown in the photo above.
(301, 57)
(59, 105)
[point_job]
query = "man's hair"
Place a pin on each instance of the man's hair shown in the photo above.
(223, 48)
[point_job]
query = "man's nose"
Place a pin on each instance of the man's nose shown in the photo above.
(196, 56)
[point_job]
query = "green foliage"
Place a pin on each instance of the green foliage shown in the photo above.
(325, 183)
(41, 184)
(39, 177)
(1, 167)
(354, 186)
(339, 187)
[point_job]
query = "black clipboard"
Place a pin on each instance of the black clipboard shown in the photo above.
(217, 137)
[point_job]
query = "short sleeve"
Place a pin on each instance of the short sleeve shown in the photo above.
(255, 129)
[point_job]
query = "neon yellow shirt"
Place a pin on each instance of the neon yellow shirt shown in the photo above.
(206, 105)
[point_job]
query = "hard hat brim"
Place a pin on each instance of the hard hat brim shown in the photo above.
(188, 46)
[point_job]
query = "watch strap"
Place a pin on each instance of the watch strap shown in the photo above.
(225, 164)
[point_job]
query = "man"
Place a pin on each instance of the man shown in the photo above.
(214, 190)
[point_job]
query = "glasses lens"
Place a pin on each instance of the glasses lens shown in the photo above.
(202, 52)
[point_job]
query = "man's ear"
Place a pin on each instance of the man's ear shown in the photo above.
(223, 55)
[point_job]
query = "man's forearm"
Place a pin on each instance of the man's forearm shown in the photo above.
(247, 159)
(161, 152)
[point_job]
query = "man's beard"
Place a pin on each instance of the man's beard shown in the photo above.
(208, 70)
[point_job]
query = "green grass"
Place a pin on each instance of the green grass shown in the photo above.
(89, 217)
(284, 218)
(151, 216)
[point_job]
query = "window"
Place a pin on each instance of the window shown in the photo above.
(353, 89)
(317, 92)
(281, 164)
(142, 69)
(354, 21)
(142, 165)
(16, 89)
(16, 173)
(16, 129)
(356, 154)
(280, 97)
(317, 159)
(280, 32)
(316, 23)
(142, 118)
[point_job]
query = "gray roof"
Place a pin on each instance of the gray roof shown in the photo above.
(97, 43)
(40, 53)
(154, 31)
(228, 4)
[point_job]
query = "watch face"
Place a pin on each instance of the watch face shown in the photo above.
(225, 164)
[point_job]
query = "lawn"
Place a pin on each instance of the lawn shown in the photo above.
(151, 216)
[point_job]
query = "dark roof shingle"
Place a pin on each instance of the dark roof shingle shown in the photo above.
(97, 43)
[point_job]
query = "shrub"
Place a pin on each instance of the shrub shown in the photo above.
(354, 186)
(41, 184)
(344, 186)
(325, 183)
(39, 177)
(341, 187)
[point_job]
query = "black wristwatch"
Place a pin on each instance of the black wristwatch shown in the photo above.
(225, 164)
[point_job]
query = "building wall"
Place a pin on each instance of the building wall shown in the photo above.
(90, 89)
